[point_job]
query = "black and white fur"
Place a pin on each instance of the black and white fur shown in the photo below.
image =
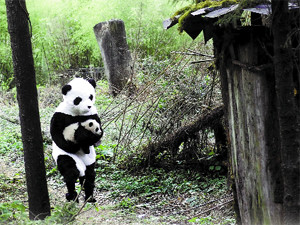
(72, 132)
(76, 158)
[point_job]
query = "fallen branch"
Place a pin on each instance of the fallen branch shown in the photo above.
(193, 53)
(14, 121)
(213, 208)
(173, 141)
(207, 203)
(201, 54)
(201, 61)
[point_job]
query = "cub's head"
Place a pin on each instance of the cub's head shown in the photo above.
(79, 96)
(93, 126)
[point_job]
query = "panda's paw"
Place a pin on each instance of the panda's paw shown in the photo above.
(86, 150)
(72, 197)
(90, 199)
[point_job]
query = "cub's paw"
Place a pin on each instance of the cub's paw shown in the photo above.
(86, 149)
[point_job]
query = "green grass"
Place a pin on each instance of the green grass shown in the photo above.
(156, 181)
(63, 37)
(154, 192)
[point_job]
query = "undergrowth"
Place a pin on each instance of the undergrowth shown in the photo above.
(170, 93)
(170, 195)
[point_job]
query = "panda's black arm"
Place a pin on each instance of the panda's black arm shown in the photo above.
(58, 123)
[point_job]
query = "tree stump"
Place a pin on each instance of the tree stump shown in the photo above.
(111, 38)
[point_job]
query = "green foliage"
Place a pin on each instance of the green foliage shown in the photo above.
(208, 220)
(64, 214)
(126, 203)
(12, 211)
(10, 142)
(16, 212)
(5, 51)
(10, 137)
(63, 34)
(155, 181)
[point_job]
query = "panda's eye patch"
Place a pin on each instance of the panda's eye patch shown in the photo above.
(91, 97)
(97, 129)
(77, 100)
(90, 124)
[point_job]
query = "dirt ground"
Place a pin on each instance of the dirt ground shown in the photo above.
(155, 209)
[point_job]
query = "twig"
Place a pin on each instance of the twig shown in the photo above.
(206, 203)
(79, 211)
(208, 210)
(184, 53)
(191, 52)
(14, 121)
(73, 216)
(200, 54)
(201, 61)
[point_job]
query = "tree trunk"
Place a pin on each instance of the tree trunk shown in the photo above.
(38, 198)
(115, 53)
(287, 112)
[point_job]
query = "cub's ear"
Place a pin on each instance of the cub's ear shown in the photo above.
(92, 82)
(65, 89)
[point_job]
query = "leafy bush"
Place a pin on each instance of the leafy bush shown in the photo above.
(170, 93)
(12, 211)
(17, 213)
(6, 69)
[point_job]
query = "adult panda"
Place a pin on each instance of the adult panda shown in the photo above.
(72, 162)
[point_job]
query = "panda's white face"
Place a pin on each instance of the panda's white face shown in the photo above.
(79, 97)
(92, 125)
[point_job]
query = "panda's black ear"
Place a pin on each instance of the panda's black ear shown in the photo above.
(92, 82)
(65, 89)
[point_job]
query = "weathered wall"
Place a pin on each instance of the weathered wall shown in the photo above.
(248, 89)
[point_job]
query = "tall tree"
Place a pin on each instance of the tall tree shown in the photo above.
(287, 111)
(38, 198)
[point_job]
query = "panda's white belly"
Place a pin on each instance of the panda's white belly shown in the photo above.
(82, 160)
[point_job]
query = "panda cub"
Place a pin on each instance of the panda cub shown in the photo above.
(71, 132)
(73, 138)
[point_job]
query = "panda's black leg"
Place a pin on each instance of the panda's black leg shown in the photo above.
(72, 194)
(67, 167)
(89, 183)
(81, 179)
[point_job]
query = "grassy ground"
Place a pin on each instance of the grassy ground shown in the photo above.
(150, 197)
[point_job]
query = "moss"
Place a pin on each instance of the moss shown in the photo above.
(187, 10)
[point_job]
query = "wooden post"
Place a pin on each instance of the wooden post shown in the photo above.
(111, 38)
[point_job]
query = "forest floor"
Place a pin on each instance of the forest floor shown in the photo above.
(122, 198)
